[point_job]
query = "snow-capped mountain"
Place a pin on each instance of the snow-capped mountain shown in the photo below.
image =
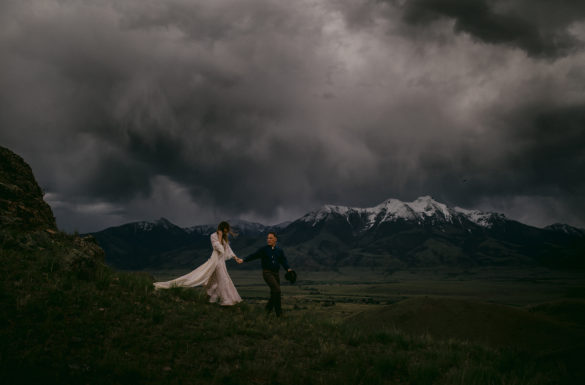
(566, 229)
(425, 232)
(424, 210)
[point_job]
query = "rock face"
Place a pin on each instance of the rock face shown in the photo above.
(22, 207)
(27, 223)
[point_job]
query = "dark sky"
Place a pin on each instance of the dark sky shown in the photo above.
(200, 110)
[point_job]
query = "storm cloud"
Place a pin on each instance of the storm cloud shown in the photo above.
(539, 27)
(264, 110)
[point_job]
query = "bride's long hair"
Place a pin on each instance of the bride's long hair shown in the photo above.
(221, 227)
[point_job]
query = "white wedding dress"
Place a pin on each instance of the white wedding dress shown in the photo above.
(213, 274)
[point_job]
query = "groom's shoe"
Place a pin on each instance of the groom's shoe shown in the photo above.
(278, 306)
(269, 307)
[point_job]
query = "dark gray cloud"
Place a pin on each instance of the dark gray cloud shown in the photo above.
(539, 27)
(197, 111)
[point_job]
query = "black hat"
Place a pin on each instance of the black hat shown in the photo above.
(291, 276)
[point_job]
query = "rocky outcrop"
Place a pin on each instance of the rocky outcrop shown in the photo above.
(27, 223)
(22, 206)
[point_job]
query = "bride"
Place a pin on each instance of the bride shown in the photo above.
(213, 273)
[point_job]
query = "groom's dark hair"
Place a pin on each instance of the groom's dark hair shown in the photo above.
(273, 233)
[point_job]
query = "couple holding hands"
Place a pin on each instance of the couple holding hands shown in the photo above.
(218, 284)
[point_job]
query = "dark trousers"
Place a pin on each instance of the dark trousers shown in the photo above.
(272, 279)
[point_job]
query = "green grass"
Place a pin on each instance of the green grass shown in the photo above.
(68, 324)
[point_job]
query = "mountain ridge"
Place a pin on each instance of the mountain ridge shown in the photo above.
(479, 217)
(390, 235)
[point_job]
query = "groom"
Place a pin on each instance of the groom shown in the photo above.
(272, 257)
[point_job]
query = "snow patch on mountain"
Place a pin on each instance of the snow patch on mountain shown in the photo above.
(479, 217)
(566, 229)
(144, 226)
(200, 229)
(426, 206)
(161, 223)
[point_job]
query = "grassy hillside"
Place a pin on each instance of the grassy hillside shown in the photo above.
(491, 324)
(73, 320)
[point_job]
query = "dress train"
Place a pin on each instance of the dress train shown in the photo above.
(212, 274)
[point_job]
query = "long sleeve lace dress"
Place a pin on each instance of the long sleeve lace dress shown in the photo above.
(212, 274)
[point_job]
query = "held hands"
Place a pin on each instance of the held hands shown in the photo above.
(239, 260)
